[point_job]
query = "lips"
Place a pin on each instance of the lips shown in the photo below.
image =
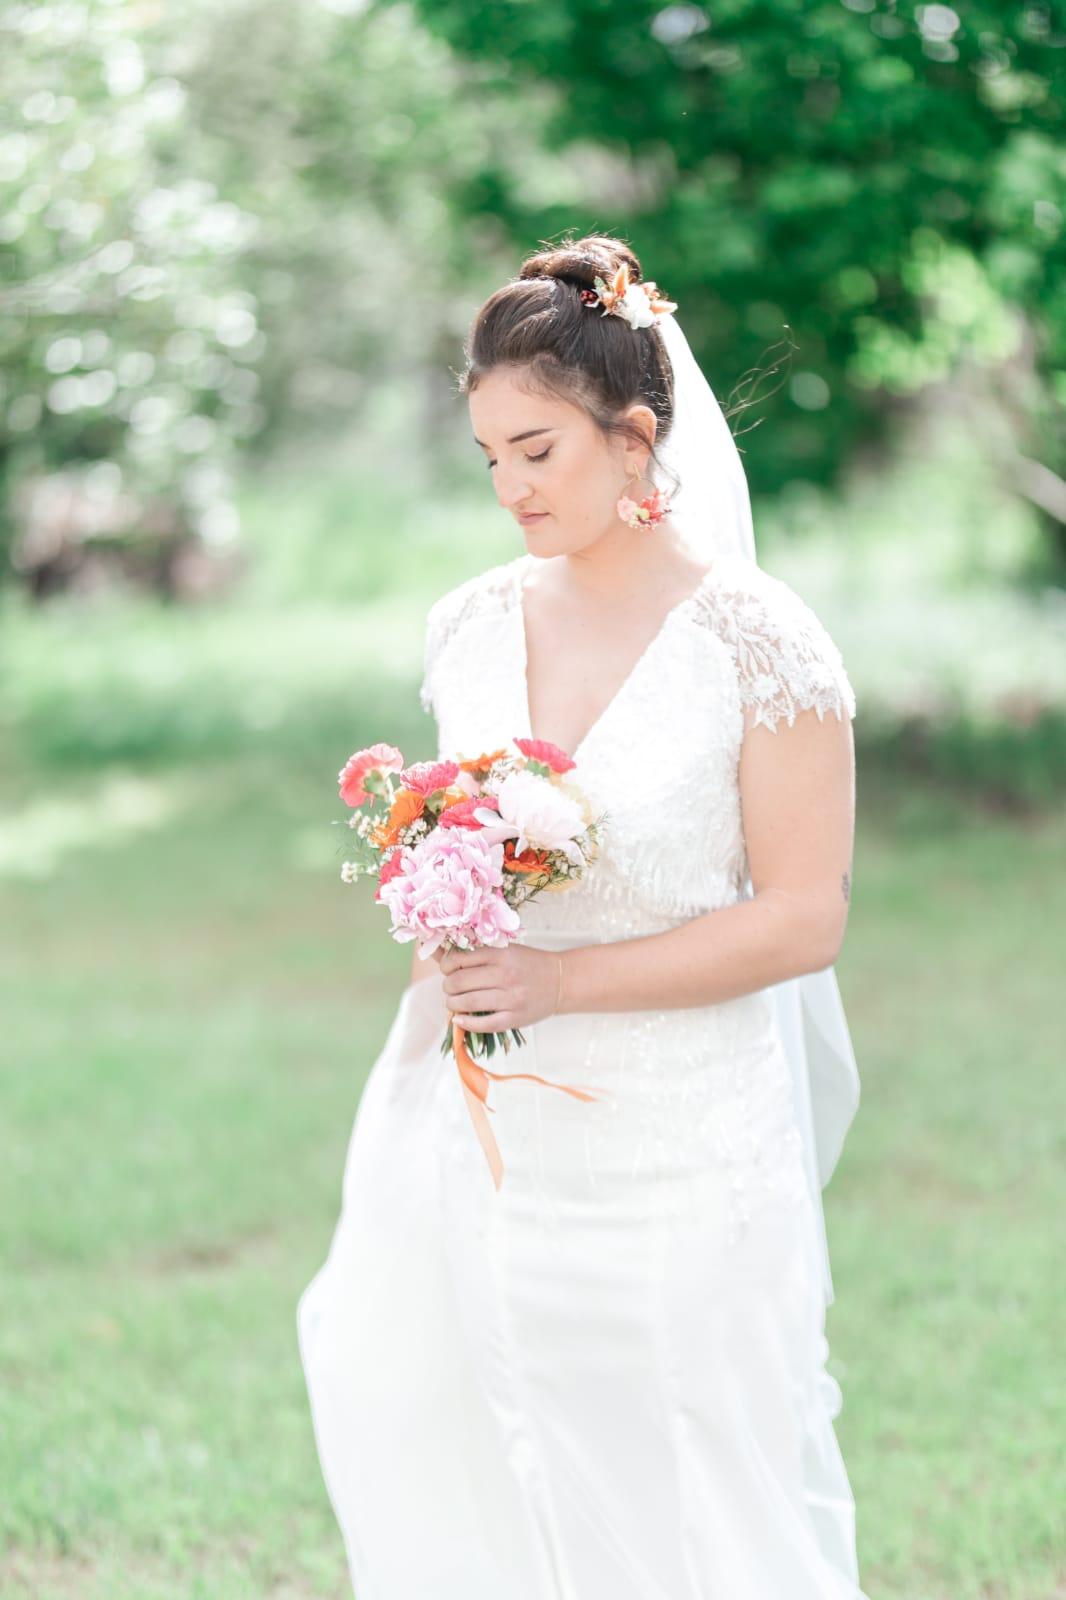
(532, 516)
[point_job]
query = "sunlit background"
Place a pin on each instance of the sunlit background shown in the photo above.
(240, 245)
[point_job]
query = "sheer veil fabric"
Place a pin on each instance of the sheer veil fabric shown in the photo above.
(712, 512)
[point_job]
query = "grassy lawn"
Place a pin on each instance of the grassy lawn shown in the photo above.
(191, 1003)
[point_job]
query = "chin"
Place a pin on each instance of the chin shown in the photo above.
(538, 538)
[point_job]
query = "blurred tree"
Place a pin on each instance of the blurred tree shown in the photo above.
(348, 134)
(217, 226)
(127, 343)
(225, 227)
(887, 179)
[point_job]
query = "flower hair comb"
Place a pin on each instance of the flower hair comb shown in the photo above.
(638, 303)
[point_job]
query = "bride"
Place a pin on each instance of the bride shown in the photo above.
(606, 1379)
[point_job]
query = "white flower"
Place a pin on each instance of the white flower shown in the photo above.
(533, 811)
(636, 307)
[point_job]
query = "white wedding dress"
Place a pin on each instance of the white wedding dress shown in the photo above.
(605, 1381)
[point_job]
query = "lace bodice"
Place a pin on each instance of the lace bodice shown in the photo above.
(742, 650)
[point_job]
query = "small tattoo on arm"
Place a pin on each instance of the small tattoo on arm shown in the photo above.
(845, 884)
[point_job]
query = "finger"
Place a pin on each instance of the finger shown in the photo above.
(477, 997)
(478, 1000)
(493, 1022)
(475, 958)
(469, 973)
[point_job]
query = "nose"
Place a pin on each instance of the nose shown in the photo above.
(512, 487)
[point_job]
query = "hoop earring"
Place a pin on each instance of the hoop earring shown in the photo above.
(643, 513)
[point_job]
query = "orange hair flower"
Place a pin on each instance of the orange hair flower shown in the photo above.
(638, 303)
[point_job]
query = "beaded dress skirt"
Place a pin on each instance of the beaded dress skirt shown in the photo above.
(607, 1380)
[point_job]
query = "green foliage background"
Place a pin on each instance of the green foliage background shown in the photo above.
(223, 226)
(887, 180)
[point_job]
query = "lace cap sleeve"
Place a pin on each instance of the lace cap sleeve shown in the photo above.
(436, 632)
(786, 661)
(484, 591)
(442, 621)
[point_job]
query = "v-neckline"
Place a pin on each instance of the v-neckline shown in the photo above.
(523, 564)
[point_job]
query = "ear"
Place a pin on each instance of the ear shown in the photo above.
(646, 420)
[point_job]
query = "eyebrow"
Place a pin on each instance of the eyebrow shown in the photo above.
(530, 433)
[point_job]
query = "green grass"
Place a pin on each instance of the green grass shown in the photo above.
(191, 1003)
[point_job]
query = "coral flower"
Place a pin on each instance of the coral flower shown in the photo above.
(544, 750)
(375, 758)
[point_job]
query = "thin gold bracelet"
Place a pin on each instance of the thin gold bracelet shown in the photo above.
(559, 986)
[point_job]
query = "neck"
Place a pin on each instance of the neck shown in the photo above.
(623, 561)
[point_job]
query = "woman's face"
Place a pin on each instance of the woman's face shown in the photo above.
(551, 467)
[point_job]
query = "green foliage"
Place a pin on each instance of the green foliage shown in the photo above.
(223, 229)
(887, 180)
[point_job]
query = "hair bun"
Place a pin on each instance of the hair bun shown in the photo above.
(581, 261)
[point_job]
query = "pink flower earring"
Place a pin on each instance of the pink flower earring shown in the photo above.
(643, 513)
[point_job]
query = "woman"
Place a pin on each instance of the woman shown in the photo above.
(606, 1380)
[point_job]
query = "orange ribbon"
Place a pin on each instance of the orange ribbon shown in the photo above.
(475, 1081)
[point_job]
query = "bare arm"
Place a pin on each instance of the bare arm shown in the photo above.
(797, 790)
(422, 969)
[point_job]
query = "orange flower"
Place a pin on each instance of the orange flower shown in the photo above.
(478, 766)
(405, 808)
(455, 797)
(529, 861)
(616, 289)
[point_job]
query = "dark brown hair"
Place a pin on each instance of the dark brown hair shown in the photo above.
(538, 322)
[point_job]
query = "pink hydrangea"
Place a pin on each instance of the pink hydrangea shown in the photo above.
(450, 888)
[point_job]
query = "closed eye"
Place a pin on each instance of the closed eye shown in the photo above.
(542, 457)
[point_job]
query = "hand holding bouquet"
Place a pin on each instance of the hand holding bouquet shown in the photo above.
(457, 848)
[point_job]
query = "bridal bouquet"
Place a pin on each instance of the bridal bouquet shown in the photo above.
(457, 848)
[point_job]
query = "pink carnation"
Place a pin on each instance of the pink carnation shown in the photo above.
(389, 868)
(543, 750)
(375, 758)
(450, 889)
(461, 815)
(426, 777)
